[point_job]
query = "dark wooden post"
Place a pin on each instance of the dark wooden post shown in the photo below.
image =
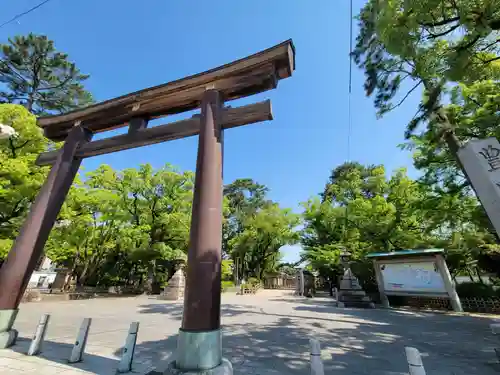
(199, 345)
(202, 295)
(28, 247)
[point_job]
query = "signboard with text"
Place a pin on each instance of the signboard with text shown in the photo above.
(412, 277)
(481, 160)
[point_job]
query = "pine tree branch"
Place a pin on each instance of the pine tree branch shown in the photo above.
(491, 60)
(60, 85)
(438, 35)
(440, 23)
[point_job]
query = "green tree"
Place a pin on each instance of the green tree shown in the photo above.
(474, 111)
(39, 77)
(257, 246)
(124, 227)
(20, 178)
(158, 203)
(403, 45)
(243, 199)
(362, 211)
(449, 50)
(88, 230)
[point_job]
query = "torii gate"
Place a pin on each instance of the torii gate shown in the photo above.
(199, 345)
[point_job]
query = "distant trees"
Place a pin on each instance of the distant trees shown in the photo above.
(255, 229)
(362, 211)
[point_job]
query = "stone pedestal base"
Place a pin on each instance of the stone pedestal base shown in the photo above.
(351, 294)
(8, 335)
(8, 338)
(198, 353)
(225, 368)
(198, 350)
(174, 291)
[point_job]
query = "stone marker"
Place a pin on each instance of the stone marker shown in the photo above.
(495, 329)
(316, 362)
(414, 360)
(81, 341)
(351, 294)
(125, 364)
(174, 291)
(481, 160)
(36, 343)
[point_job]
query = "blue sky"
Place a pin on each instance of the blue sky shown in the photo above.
(129, 45)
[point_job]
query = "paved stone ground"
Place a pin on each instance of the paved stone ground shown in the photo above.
(265, 334)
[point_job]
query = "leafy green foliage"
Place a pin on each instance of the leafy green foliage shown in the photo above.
(255, 229)
(362, 211)
(39, 77)
(226, 270)
(226, 285)
(449, 51)
(476, 290)
(125, 225)
(429, 43)
(20, 178)
(257, 246)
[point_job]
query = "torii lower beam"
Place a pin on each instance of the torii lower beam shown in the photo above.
(231, 118)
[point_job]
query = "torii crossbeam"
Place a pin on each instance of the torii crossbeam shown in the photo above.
(199, 345)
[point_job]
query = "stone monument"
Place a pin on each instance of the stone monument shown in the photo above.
(174, 291)
(350, 293)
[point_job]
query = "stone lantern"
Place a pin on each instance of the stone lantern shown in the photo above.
(345, 258)
(174, 291)
(350, 292)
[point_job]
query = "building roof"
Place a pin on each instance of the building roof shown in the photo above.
(406, 253)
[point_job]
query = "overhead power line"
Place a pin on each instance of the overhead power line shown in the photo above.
(16, 17)
(349, 114)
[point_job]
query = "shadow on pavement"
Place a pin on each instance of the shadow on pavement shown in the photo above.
(361, 341)
(269, 339)
(60, 352)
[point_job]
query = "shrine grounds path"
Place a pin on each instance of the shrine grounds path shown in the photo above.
(264, 334)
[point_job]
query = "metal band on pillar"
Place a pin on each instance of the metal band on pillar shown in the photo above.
(199, 345)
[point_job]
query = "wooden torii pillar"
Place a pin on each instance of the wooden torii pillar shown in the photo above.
(199, 343)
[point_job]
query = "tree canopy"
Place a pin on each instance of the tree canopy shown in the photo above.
(20, 178)
(37, 76)
(403, 45)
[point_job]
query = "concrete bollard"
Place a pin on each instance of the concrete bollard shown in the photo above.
(339, 304)
(414, 360)
(81, 341)
(125, 364)
(36, 343)
(495, 329)
(316, 362)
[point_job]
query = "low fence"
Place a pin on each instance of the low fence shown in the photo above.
(46, 294)
(280, 282)
(480, 305)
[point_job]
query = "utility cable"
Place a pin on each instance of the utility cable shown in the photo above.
(349, 112)
(16, 17)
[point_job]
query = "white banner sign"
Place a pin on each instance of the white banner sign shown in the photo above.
(481, 160)
(416, 277)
